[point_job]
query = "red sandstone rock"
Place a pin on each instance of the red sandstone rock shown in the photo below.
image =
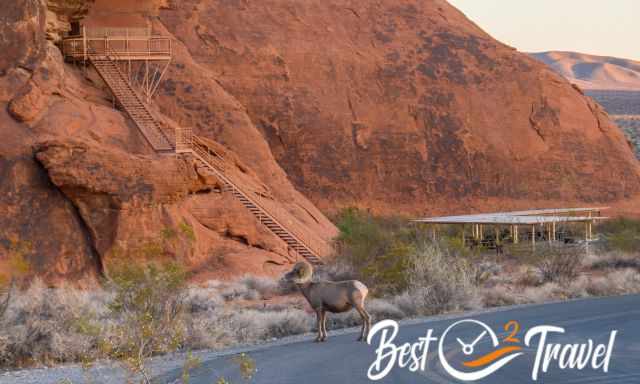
(395, 106)
(398, 106)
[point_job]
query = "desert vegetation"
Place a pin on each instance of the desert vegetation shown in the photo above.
(630, 125)
(624, 109)
(142, 311)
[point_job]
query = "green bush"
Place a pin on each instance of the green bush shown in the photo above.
(148, 303)
(377, 249)
(621, 234)
(187, 230)
(17, 268)
(385, 253)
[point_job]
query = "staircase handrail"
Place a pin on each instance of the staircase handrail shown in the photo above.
(274, 213)
(108, 54)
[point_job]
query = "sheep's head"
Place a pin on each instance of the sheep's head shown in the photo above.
(300, 274)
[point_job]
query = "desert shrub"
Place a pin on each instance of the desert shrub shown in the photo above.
(616, 282)
(375, 248)
(259, 325)
(266, 287)
(560, 264)
(202, 299)
(404, 303)
(394, 261)
(380, 309)
(554, 291)
(168, 233)
(621, 234)
(187, 230)
(148, 304)
(611, 260)
(438, 281)
(6, 289)
(190, 363)
(498, 296)
(17, 268)
(248, 287)
(42, 324)
(531, 277)
(246, 365)
(484, 270)
(336, 270)
(388, 272)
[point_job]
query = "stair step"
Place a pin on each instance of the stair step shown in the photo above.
(150, 128)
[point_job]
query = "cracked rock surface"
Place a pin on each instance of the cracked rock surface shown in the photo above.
(397, 107)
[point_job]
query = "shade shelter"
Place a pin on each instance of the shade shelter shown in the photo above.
(522, 223)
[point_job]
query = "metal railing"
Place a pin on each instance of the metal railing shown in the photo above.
(187, 142)
(114, 31)
(125, 44)
(154, 135)
(184, 140)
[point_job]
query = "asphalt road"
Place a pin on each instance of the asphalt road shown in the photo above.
(343, 360)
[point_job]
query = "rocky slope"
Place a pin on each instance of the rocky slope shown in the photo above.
(612, 82)
(399, 106)
(592, 72)
(391, 106)
(81, 188)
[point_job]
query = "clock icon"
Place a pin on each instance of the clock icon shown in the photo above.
(468, 349)
(484, 365)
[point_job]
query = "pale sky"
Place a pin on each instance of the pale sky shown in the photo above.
(599, 27)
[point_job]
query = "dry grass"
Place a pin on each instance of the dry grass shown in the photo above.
(49, 326)
(439, 281)
(38, 326)
(612, 260)
(560, 264)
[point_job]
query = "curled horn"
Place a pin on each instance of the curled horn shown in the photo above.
(305, 272)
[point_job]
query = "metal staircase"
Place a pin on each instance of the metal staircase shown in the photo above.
(274, 226)
(280, 222)
(132, 103)
(264, 209)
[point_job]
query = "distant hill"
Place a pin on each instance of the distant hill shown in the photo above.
(594, 72)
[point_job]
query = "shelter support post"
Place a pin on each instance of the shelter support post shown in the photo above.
(586, 231)
(533, 234)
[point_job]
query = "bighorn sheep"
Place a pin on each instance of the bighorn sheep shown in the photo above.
(335, 297)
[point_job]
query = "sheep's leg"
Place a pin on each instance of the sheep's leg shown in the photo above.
(323, 321)
(366, 333)
(366, 322)
(319, 317)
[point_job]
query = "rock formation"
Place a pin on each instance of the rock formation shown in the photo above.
(394, 106)
(81, 188)
(401, 106)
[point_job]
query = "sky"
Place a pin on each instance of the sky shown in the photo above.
(599, 27)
